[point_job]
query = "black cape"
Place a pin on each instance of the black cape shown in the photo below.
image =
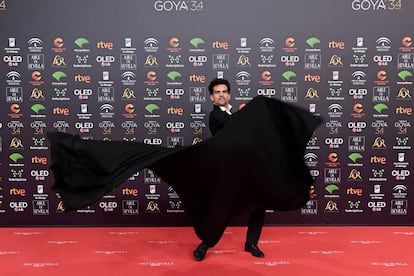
(255, 161)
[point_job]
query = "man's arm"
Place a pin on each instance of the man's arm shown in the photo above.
(217, 120)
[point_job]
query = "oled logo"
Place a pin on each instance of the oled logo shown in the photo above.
(357, 127)
(39, 175)
(175, 127)
(105, 61)
(153, 141)
(334, 143)
(288, 61)
(108, 206)
(13, 61)
(18, 206)
(84, 127)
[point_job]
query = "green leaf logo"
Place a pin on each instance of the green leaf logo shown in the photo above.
(58, 75)
(288, 75)
(37, 107)
(331, 188)
(173, 75)
(15, 157)
(405, 74)
(196, 41)
(355, 156)
(380, 107)
(80, 42)
(151, 107)
(313, 41)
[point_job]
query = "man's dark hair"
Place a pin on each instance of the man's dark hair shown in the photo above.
(217, 81)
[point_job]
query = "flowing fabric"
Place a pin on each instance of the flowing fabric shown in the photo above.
(255, 161)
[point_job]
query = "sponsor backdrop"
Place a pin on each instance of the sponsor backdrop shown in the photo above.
(139, 70)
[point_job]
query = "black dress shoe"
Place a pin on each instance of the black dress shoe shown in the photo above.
(200, 252)
(252, 248)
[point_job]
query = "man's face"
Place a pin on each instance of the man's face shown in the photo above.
(221, 95)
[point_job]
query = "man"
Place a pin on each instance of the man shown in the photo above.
(220, 96)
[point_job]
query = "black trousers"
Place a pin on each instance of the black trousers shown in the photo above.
(254, 226)
(254, 229)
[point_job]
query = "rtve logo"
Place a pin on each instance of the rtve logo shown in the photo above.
(221, 45)
(130, 192)
(61, 111)
(197, 78)
(378, 160)
(105, 45)
(404, 110)
(175, 111)
(17, 192)
(83, 78)
(313, 78)
(39, 160)
(336, 44)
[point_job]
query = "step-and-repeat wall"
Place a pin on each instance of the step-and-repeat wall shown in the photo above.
(139, 71)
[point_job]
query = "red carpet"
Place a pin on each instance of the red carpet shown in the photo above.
(167, 251)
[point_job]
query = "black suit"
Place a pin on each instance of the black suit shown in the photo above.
(217, 120)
